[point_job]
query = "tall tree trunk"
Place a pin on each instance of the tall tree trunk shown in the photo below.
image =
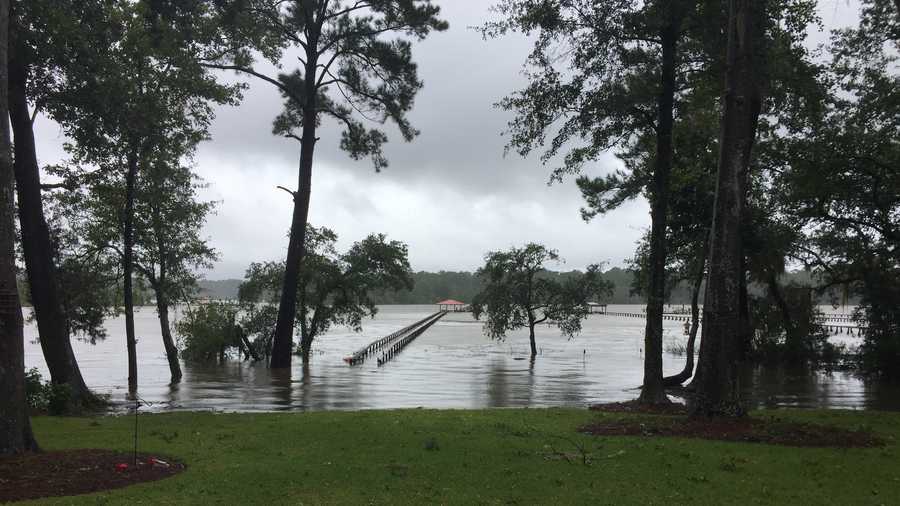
(283, 339)
(778, 297)
(793, 343)
(653, 390)
(718, 388)
(128, 268)
(307, 331)
(306, 347)
(160, 284)
(744, 301)
(162, 309)
(15, 428)
(36, 244)
(304, 351)
(531, 338)
(688, 371)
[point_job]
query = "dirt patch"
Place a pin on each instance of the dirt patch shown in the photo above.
(672, 408)
(745, 430)
(73, 472)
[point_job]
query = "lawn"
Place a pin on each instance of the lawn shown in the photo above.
(509, 456)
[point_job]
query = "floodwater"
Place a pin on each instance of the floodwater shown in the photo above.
(451, 365)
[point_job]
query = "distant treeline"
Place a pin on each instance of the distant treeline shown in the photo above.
(431, 287)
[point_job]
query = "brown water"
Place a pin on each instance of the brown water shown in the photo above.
(452, 365)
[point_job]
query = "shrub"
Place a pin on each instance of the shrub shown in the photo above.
(207, 332)
(797, 340)
(45, 397)
(34, 390)
(879, 314)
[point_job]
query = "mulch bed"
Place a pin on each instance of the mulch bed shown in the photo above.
(73, 472)
(647, 409)
(746, 430)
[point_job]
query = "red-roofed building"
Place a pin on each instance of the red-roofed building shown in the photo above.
(452, 305)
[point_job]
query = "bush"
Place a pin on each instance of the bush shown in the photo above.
(208, 332)
(258, 321)
(34, 390)
(676, 348)
(879, 314)
(45, 397)
(798, 340)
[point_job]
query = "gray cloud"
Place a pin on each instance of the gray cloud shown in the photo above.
(450, 194)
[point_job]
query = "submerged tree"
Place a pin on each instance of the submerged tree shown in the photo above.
(350, 72)
(518, 293)
(169, 249)
(47, 39)
(718, 389)
(605, 75)
(88, 275)
(838, 180)
(15, 427)
(124, 110)
(208, 332)
(333, 289)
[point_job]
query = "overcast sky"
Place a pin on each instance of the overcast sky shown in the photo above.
(451, 195)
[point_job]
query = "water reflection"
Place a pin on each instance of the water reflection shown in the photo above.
(803, 387)
(281, 388)
(452, 365)
(510, 384)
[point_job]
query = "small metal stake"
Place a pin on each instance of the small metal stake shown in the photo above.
(137, 404)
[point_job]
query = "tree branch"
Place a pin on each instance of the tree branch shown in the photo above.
(287, 91)
(292, 193)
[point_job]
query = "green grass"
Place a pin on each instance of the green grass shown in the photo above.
(519, 456)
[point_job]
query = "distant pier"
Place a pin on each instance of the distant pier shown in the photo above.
(822, 320)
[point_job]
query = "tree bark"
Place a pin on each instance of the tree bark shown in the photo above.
(283, 339)
(305, 348)
(242, 336)
(160, 284)
(653, 389)
(531, 338)
(162, 309)
(688, 371)
(778, 297)
(718, 389)
(793, 344)
(36, 243)
(308, 334)
(128, 268)
(15, 427)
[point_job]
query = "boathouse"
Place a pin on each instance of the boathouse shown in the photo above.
(594, 307)
(452, 305)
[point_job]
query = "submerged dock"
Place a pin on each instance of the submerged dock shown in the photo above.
(823, 320)
(390, 345)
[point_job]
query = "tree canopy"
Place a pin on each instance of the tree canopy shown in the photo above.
(333, 288)
(517, 294)
(350, 71)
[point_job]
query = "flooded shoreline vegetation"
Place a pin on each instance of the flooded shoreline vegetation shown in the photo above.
(332, 288)
(518, 294)
(354, 68)
(736, 158)
(452, 365)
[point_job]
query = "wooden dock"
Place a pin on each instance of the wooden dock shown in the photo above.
(852, 330)
(393, 343)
